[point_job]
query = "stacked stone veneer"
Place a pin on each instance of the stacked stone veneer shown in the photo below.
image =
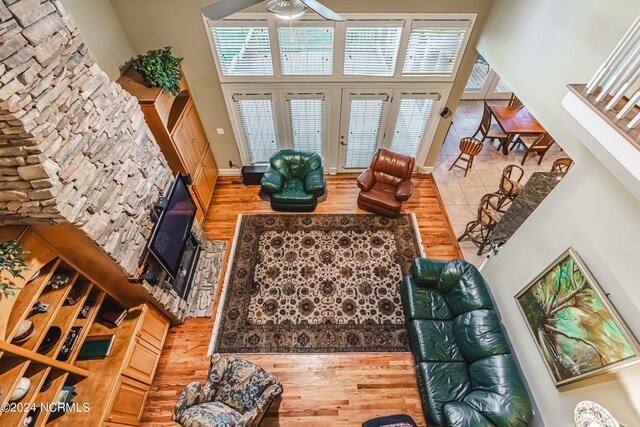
(74, 146)
(203, 287)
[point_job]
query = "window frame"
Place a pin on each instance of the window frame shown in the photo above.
(407, 21)
(437, 23)
(311, 23)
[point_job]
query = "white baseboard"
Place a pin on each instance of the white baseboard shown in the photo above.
(229, 172)
(425, 169)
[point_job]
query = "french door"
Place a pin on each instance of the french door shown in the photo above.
(344, 125)
(394, 119)
(362, 127)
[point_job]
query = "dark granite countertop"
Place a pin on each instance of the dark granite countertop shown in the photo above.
(534, 192)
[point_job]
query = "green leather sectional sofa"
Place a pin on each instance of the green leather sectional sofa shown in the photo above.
(294, 180)
(466, 374)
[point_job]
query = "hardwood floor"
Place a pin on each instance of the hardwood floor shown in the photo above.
(319, 390)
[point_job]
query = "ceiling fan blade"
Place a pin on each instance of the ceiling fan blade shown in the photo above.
(323, 10)
(224, 8)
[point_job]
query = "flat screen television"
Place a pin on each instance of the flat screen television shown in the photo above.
(173, 227)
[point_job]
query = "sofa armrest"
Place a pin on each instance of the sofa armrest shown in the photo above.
(426, 272)
(366, 180)
(192, 394)
(404, 190)
(253, 417)
(314, 182)
(272, 181)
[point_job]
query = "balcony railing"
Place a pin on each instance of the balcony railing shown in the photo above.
(615, 88)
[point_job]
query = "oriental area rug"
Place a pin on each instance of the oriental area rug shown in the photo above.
(306, 283)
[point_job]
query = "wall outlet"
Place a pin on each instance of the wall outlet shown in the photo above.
(220, 131)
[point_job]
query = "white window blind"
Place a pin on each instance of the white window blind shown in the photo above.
(306, 51)
(434, 50)
(366, 117)
(371, 51)
(413, 117)
(255, 114)
(306, 117)
(243, 51)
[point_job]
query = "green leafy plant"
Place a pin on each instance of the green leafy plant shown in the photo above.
(160, 68)
(11, 260)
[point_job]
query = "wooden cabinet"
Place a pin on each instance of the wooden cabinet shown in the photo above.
(176, 125)
(128, 403)
(115, 387)
(154, 328)
(143, 361)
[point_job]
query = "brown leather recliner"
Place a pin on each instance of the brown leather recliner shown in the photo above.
(386, 184)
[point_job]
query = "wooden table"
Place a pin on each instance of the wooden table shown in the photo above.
(515, 121)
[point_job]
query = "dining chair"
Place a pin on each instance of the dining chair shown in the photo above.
(510, 186)
(515, 101)
(562, 165)
(538, 143)
(487, 216)
(471, 147)
(488, 130)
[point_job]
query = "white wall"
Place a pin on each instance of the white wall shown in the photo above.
(538, 47)
(102, 33)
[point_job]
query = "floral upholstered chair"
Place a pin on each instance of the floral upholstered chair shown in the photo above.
(237, 393)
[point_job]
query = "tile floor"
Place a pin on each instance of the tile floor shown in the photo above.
(461, 195)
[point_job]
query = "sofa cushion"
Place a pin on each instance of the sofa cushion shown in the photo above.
(439, 383)
(479, 334)
(422, 303)
(460, 414)
(293, 192)
(464, 287)
(426, 272)
(209, 414)
(381, 195)
(242, 384)
(498, 391)
(433, 341)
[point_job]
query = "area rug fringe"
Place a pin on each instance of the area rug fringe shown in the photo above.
(225, 286)
(416, 229)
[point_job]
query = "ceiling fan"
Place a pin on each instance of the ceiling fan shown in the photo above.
(285, 9)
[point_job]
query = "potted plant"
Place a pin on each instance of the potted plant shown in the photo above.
(12, 262)
(159, 68)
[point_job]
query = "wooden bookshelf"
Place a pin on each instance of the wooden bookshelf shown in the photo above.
(98, 383)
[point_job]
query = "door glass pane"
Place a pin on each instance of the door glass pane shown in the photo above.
(243, 51)
(413, 117)
(258, 128)
(307, 124)
(478, 76)
(365, 123)
(306, 51)
(371, 51)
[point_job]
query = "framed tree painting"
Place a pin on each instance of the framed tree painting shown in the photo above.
(578, 333)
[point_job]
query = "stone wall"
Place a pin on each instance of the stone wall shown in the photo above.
(74, 146)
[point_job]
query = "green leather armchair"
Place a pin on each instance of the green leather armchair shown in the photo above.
(294, 180)
(466, 374)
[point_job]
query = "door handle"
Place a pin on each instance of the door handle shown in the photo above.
(343, 143)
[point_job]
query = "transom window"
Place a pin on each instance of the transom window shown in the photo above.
(371, 51)
(407, 49)
(306, 51)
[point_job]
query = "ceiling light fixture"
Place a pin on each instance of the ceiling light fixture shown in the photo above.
(286, 9)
